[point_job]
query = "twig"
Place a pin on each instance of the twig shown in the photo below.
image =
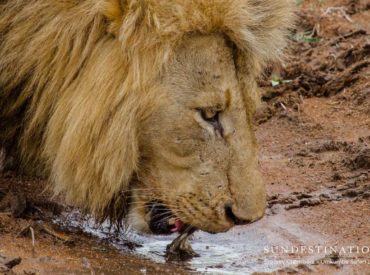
(2, 158)
(23, 231)
(33, 241)
(283, 106)
(340, 9)
(56, 234)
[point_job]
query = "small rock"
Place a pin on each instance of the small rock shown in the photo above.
(306, 268)
(287, 200)
(10, 262)
(342, 187)
(86, 263)
(362, 160)
(289, 270)
(336, 177)
(363, 177)
(3, 269)
(217, 266)
(304, 196)
(275, 209)
(325, 196)
(350, 193)
(293, 206)
(310, 202)
(273, 197)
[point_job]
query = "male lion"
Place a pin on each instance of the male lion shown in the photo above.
(140, 110)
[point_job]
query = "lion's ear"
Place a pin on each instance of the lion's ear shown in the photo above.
(113, 11)
(247, 80)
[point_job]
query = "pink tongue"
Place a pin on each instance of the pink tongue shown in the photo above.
(178, 225)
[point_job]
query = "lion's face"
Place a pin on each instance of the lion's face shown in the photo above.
(198, 151)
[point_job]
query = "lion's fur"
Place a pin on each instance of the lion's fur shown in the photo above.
(74, 77)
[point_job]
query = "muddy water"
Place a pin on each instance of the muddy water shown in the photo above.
(242, 250)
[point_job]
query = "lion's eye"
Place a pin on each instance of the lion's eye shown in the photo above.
(209, 115)
(212, 117)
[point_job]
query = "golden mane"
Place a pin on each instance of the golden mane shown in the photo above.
(74, 76)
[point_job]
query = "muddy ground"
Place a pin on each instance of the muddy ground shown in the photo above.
(314, 133)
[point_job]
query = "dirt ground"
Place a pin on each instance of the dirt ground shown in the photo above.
(314, 133)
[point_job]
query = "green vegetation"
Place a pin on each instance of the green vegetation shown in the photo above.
(306, 37)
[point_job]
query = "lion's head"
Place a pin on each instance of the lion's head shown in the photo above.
(198, 151)
(146, 115)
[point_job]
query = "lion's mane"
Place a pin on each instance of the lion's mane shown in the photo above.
(74, 76)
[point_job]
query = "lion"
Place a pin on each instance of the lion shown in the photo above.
(141, 112)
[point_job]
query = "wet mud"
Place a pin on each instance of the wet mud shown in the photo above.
(313, 129)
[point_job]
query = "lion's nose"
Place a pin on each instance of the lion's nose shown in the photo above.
(230, 214)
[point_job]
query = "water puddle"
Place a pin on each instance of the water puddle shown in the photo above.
(242, 250)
